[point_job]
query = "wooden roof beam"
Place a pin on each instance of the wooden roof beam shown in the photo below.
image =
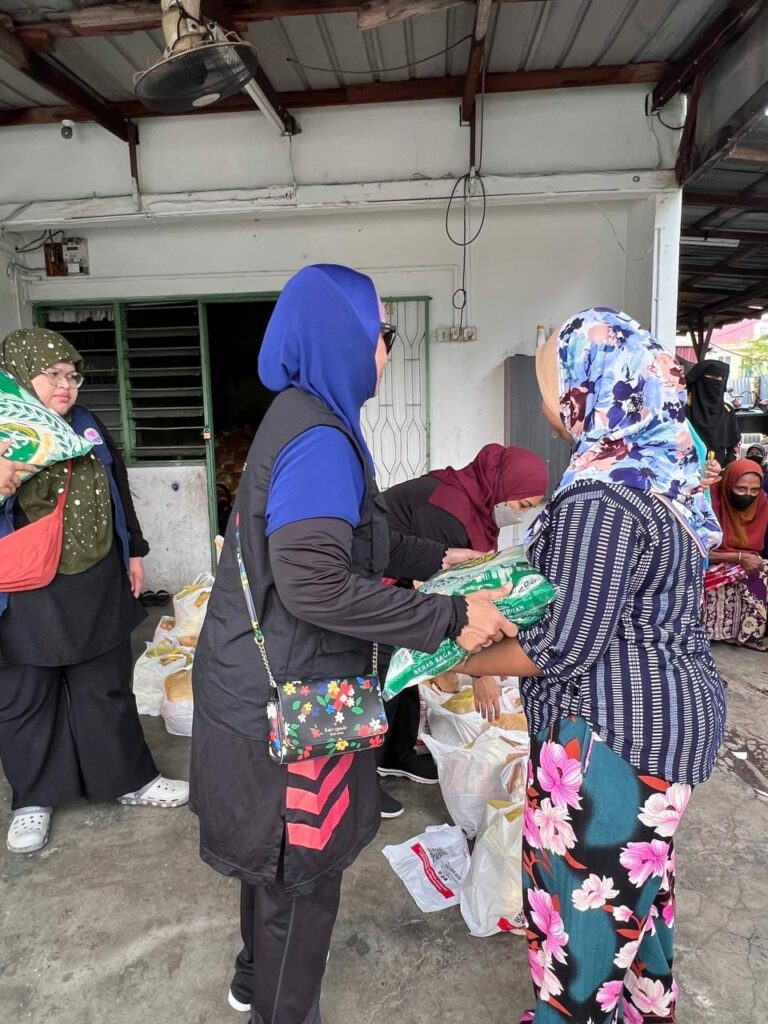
(738, 300)
(144, 15)
(725, 200)
(377, 13)
(740, 75)
(373, 92)
(749, 154)
(760, 237)
(472, 75)
(56, 79)
(707, 49)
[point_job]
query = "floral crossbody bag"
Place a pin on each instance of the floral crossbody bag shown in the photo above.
(317, 717)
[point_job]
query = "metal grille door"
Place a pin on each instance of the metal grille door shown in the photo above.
(395, 422)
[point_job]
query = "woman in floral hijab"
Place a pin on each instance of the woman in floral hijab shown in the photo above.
(624, 704)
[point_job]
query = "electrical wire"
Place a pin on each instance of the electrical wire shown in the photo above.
(38, 243)
(366, 71)
(672, 127)
(459, 297)
(635, 259)
(466, 182)
(293, 168)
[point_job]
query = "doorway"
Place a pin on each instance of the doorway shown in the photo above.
(238, 399)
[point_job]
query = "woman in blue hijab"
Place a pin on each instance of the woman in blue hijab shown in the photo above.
(315, 544)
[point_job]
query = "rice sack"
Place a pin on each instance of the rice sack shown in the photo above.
(38, 436)
(525, 605)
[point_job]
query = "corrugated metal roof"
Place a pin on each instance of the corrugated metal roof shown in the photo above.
(723, 275)
(523, 36)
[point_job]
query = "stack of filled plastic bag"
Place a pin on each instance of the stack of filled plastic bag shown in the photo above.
(482, 771)
(162, 676)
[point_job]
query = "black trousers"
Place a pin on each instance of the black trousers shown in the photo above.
(72, 732)
(286, 939)
(403, 717)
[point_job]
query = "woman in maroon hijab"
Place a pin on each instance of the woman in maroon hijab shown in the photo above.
(737, 610)
(461, 508)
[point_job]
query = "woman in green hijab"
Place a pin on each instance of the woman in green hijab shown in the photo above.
(68, 721)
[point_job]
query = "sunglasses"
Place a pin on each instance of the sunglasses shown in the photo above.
(388, 334)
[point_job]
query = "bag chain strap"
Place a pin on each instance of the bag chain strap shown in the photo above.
(258, 635)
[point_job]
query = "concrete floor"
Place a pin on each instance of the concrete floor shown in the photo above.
(118, 922)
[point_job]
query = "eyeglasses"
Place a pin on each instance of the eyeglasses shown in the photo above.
(388, 334)
(70, 380)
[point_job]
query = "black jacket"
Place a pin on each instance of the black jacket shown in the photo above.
(318, 596)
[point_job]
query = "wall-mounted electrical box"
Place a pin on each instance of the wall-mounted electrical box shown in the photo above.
(456, 334)
(69, 256)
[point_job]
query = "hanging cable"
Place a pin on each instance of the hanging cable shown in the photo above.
(465, 182)
(366, 71)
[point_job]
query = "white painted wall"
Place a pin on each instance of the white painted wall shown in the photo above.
(544, 133)
(9, 316)
(531, 264)
(607, 239)
(172, 506)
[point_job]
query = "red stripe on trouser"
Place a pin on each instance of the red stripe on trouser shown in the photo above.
(317, 838)
(308, 769)
(313, 803)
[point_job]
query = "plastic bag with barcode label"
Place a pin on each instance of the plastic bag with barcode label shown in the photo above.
(432, 866)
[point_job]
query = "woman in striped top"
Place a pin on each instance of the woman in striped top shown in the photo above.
(625, 706)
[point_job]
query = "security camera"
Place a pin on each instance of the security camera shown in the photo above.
(67, 129)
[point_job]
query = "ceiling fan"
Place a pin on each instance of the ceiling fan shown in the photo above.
(202, 64)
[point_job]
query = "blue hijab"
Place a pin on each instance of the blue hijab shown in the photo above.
(322, 339)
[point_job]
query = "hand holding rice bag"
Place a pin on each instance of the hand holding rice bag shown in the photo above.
(37, 436)
(525, 605)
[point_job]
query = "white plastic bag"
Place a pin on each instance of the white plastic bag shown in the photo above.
(189, 608)
(150, 672)
(432, 866)
(452, 717)
(492, 893)
(177, 707)
(471, 776)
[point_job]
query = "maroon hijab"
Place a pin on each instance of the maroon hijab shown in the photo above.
(742, 531)
(496, 474)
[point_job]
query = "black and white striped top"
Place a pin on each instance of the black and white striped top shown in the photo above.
(623, 646)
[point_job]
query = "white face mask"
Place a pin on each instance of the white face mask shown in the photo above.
(505, 516)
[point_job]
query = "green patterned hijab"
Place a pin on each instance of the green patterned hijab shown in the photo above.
(88, 529)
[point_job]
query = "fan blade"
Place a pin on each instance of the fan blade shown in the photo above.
(376, 13)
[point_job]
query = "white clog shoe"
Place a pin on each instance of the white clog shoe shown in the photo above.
(29, 829)
(160, 792)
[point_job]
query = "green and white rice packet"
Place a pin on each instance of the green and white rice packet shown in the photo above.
(525, 605)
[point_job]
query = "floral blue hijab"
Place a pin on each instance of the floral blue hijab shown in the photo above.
(622, 399)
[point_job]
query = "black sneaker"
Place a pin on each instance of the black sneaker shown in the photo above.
(390, 808)
(416, 767)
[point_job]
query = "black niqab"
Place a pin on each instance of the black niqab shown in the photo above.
(716, 425)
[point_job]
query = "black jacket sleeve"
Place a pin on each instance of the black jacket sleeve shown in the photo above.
(137, 547)
(413, 558)
(312, 567)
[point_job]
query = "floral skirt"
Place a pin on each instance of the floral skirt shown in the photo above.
(737, 613)
(598, 881)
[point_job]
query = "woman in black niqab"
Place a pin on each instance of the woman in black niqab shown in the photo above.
(714, 421)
